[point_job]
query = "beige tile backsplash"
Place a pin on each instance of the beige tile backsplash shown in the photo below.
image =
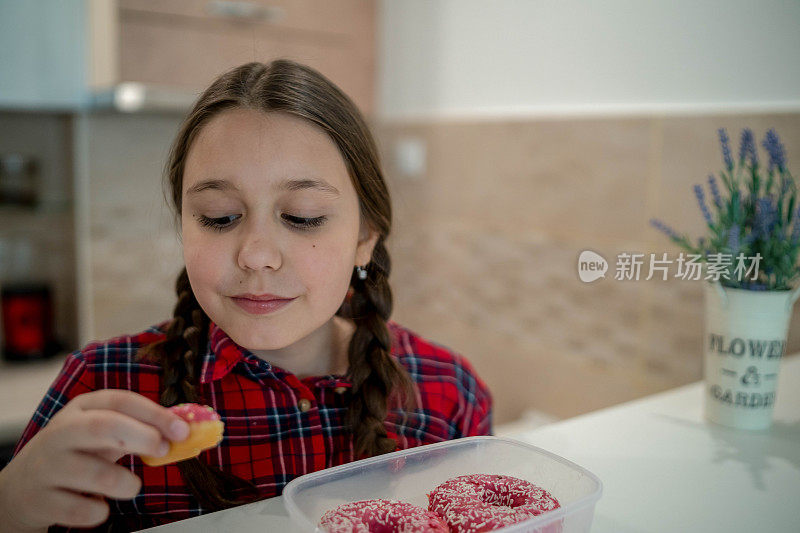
(484, 246)
(134, 247)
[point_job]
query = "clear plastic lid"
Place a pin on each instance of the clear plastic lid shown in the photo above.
(409, 475)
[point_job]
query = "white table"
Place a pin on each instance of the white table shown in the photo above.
(22, 387)
(663, 468)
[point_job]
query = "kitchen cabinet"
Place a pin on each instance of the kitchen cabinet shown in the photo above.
(42, 59)
(186, 44)
(77, 54)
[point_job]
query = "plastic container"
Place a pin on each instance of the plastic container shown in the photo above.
(409, 475)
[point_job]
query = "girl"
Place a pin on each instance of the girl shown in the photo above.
(282, 325)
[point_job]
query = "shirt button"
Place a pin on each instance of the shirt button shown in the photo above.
(340, 390)
(304, 404)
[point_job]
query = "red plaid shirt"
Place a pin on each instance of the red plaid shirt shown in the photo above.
(269, 439)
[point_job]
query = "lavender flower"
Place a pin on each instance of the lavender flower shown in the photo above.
(660, 226)
(733, 238)
(752, 212)
(765, 216)
(747, 147)
(698, 191)
(726, 148)
(777, 154)
(712, 184)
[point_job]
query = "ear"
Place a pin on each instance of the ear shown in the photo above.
(367, 239)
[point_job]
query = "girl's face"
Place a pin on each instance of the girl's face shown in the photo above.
(269, 208)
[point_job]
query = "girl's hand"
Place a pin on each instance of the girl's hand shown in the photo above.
(64, 473)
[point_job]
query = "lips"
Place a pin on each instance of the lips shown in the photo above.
(260, 297)
(261, 304)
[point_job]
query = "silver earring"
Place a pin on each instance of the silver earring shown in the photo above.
(362, 272)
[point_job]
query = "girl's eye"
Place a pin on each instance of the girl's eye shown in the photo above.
(222, 223)
(218, 224)
(305, 223)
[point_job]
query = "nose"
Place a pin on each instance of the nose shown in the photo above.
(260, 247)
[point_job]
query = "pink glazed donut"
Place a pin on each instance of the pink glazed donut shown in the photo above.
(205, 431)
(483, 502)
(381, 516)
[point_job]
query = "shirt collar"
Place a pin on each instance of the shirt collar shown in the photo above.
(221, 356)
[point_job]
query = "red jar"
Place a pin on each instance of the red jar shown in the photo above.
(27, 322)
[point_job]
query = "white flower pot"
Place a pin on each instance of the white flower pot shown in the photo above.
(745, 339)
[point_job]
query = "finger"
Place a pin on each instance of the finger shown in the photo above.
(100, 429)
(171, 426)
(88, 473)
(112, 456)
(68, 508)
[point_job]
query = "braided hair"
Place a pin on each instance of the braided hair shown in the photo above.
(378, 380)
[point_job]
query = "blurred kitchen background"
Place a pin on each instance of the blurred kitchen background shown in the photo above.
(514, 135)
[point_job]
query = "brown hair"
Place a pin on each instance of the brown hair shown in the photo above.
(376, 377)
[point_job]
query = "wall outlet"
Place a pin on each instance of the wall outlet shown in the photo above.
(410, 157)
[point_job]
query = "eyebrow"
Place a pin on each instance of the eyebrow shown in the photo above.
(286, 185)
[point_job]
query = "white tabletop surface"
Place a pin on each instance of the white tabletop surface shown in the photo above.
(663, 468)
(22, 387)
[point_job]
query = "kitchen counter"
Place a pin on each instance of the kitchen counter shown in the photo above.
(22, 387)
(663, 468)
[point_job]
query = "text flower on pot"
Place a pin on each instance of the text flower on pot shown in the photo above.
(755, 214)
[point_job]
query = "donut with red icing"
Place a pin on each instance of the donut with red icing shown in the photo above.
(484, 502)
(205, 431)
(381, 516)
